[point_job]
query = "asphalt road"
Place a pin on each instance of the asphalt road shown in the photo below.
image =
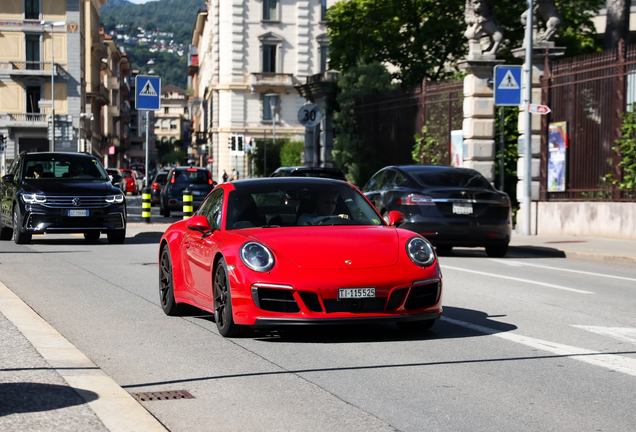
(526, 343)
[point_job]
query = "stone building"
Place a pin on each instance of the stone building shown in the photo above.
(172, 120)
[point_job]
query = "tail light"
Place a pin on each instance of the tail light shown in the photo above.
(172, 179)
(192, 169)
(155, 186)
(415, 199)
(502, 201)
(210, 178)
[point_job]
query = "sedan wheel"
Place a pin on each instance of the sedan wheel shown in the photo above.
(223, 303)
(18, 236)
(166, 286)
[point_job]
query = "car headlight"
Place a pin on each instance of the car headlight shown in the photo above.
(34, 199)
(115, 199)
(420, 251)
(257, 257)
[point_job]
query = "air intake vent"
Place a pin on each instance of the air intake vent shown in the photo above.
(423, 296)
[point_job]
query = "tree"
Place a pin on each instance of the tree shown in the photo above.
(291, 152)
(424, 39)
(617, 26)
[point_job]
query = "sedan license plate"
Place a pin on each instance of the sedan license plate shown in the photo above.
(355, 293)
(462, 208)
(74, 213)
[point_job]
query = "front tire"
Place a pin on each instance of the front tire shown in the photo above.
(116, 237)
(18, 236)
(223, 303)
(166, 286)
(416, 326)
(497, 251)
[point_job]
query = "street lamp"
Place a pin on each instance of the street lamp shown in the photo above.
(272, 105)
(52, 25)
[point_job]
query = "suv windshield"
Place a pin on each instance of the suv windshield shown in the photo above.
(63, 167)
(191, 176)
(301, 205)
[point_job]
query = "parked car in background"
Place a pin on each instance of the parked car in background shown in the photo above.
(449, 206)
(304, 171)
(56, 193)
(131, 181)
(198, 180)
(157, 184)
(115, 177)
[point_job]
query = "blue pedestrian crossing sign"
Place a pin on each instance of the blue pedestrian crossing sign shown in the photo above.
(148, 93)
(507, 85)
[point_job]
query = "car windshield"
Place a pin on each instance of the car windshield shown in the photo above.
(191, 176)
(460, 178)
(161, 178)
(298, 205)
(67, 167)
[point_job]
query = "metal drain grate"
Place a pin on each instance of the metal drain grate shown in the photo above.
(166, 395)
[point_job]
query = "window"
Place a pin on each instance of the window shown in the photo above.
(270, 10)
(31, 9)
(166, 110)
(268, 103)
(33, 96)
(173, 124)
(32, 52)
(324, 57)
(164, 124)
(269, 58)
(323, 10)
(212, 209)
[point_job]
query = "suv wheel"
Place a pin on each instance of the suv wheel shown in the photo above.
(18, 236)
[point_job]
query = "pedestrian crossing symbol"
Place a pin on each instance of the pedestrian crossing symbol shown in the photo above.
(149, 90)
(509, 82)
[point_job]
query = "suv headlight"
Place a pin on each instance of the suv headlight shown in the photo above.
(34, 198)
(115, 199)
(420, 251)
(257, 257)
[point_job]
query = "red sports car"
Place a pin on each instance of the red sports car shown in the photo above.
(293, 251)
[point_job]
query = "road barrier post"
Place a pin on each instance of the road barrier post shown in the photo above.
(187, 203)
(146, 204)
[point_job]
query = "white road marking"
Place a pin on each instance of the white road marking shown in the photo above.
(613, 362)
(519, 280)
(517, 263)
(626, 334)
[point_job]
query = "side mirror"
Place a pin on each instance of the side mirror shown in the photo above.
(7, 178)
(396, 218)
(200, 224)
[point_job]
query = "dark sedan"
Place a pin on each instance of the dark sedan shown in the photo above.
(60, 193)
(198, 180)
(157, 185)
(449, 206)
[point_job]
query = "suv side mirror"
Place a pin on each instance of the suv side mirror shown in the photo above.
(8, 178)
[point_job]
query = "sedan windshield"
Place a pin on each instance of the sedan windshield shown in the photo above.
(64, 167)
(275, 206)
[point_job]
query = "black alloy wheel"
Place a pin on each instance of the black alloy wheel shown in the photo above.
(497, 251)
(223, 303)
(91, 235)
(18, 236)
(116, 236)
(416, 326)
(166, 286)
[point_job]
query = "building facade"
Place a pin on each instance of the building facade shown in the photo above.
(50, 49)
(250, 55)
(172, 120)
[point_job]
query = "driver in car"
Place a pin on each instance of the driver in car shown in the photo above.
(325, 204)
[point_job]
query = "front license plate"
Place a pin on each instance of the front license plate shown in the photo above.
(355, 293)
(462, 208)
(74, 213)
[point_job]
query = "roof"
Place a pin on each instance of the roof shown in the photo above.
(172, 89)
(296, 181)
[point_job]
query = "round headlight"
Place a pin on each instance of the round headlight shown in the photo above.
(257, 257)
(420, 251)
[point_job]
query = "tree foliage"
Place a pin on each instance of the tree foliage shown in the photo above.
(427, 150)
(626, 148)
(425, 38)
(291, 152)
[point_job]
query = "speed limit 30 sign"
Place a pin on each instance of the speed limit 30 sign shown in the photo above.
(309, 115)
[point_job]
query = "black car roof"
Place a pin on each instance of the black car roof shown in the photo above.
(296, 181)
(52, 154)
(427, 168)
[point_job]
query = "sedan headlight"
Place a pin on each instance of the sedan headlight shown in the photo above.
(115, 199)
(257, 257)
(34, 199)
(420, 251)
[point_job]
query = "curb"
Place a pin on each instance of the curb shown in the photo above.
(565, 253)
(114, 406)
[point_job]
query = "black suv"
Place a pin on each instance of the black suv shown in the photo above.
(60, 193)
(198, 180)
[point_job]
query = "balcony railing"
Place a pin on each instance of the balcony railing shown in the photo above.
(26, 119)
(271, 79)
(28, 68)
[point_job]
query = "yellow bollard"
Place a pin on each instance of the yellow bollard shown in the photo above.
(146, 204)
(187, 204)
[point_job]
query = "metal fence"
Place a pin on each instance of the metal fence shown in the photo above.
(590, 93)
(388, 122)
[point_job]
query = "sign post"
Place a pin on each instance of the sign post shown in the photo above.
(148, 98)
(507, 93)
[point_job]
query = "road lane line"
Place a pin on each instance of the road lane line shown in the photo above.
(114, 406)
(612, 362)
(519, 280)
(517, 263)
(625, 334)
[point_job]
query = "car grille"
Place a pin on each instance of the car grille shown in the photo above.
(277, 300)
(67, 202)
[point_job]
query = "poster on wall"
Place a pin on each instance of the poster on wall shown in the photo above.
(456, 148)
(557, 151)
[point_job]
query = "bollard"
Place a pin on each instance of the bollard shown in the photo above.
(187, 203)
(146, 204)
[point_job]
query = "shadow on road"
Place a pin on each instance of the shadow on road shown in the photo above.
(514, 252)
(26, 397)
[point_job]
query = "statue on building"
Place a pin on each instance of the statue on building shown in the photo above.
(547, 10)
(481, 23)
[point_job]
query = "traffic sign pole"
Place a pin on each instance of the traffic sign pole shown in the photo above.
(148, 98)
(527, 151)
